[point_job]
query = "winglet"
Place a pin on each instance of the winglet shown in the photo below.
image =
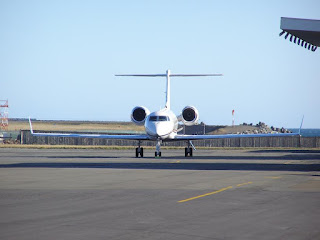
(301, 125)
(31, 130)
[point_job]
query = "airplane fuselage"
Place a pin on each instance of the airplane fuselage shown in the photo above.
(161, 124)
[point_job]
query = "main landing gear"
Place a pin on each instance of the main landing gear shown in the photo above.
(139, 150)
(188, 151)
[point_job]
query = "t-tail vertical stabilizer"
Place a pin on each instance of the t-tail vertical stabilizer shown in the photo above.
(168, 89)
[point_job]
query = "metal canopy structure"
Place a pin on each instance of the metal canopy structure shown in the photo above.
(304, 32)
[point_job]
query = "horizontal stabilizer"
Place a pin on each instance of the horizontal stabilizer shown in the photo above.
(196, 75)
(140, 75)
(170, 75)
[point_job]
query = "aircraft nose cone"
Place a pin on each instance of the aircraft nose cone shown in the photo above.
(160, 130)
(151, 129)
(157, 130)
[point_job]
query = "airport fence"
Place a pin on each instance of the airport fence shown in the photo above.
(272, 142)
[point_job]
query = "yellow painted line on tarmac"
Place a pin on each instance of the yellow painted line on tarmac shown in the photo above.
(222, 189)
(242, 184)
(204, 195)
(215, 192)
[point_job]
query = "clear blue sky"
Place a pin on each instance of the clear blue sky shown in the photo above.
(58, 60)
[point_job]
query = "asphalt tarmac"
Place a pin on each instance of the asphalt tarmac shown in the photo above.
(109, 194)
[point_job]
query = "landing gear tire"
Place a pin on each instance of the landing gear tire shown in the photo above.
(188, 152)
(139, 151)
(156, 154)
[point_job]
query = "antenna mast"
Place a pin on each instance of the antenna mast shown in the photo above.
(4, 114)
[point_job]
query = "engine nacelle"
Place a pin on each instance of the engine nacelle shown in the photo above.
(190, 116)
(139, 115)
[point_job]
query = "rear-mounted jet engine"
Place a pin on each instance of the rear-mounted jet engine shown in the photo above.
(139, 115)
(190, 116)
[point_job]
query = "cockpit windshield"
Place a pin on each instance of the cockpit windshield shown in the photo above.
(162, 118)
(153, 118)
(159, 118)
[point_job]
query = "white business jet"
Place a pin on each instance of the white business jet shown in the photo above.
(162, 125)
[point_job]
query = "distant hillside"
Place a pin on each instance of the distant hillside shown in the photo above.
(238, 129)
(129, 127)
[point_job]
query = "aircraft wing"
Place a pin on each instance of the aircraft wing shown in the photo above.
(105, 136)
(203, 137)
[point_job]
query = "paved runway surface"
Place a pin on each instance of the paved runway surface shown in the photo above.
(108, 194)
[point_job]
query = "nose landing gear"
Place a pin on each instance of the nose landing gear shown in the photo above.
(157, 153)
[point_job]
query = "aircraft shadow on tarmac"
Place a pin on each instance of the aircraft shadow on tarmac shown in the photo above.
(174, 166)
(290, 157)
(286, 151)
